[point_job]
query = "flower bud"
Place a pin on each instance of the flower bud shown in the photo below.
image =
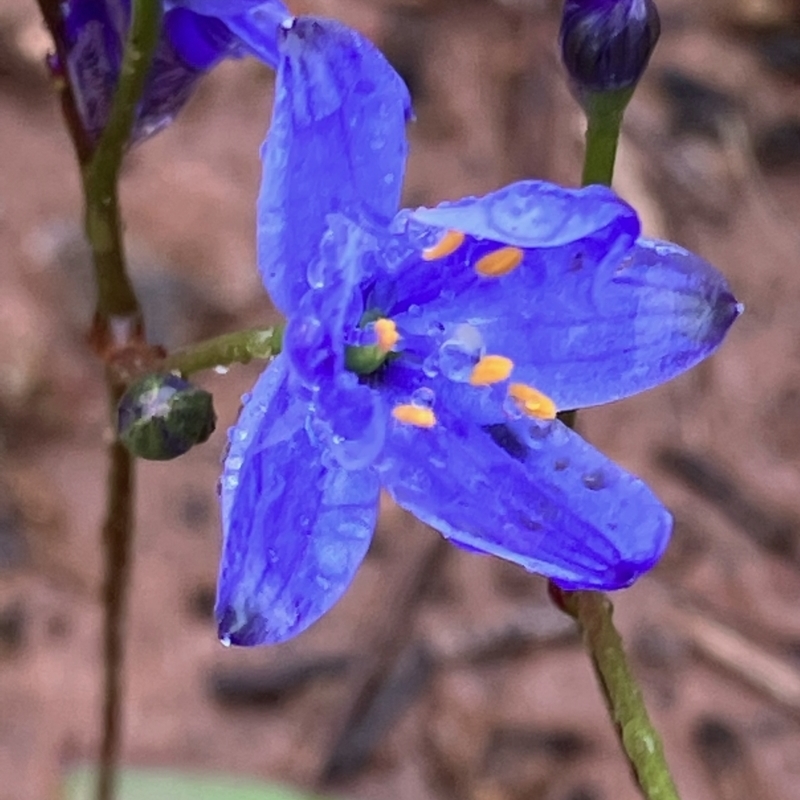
(606, 44)
(164, 416)
(90, 40)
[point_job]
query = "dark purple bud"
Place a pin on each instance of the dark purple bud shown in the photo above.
(606, 44)
(90, 46)
(163, 416)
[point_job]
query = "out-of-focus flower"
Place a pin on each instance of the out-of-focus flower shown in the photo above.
(606, 44)
(163, 416)
(428, 351)
(91, 37)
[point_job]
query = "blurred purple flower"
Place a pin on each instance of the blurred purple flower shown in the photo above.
(606, 44)
(91, 37)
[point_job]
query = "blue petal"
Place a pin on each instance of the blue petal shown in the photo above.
(224, 8)
(254, 23)
(258, 29)
(351, 417)
(201, 41)
(337, 143)
(586, 322)
(540, 218)
(532, 214)
(533, 493)
(296, 525)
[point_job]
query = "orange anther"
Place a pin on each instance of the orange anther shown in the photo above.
(500, 262)
(447, 245)
(410, 414)
(386, 332)
(491, 369)
(532, 402)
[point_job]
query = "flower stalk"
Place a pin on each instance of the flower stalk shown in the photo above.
(239, 347)
(593, 611)
(639, 739)
(118, 325)
(604, 112)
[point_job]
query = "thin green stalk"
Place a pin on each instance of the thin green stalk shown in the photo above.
(604, 112)
(240, 347)
(593, 611)
(115, 294)
(639, 739)
(118, 323)
(117, 542)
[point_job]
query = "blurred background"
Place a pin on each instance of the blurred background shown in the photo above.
(441, 674)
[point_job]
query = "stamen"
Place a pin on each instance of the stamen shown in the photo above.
(532, 402)
(386, 332)
(410, 414)
(491, 369)
(446, 246)
(500, 262)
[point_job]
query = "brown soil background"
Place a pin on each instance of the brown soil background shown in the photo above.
(465, 682)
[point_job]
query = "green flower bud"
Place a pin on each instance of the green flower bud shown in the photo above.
(163, 416)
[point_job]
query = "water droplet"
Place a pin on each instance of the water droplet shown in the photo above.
(423, 397)
(560, 464)
(322, 582)
(430, 366)
(221, 370)
(459, 354)
(511, 408)
(225, 641)
(315, 273)
(594, 480)
(414, 310)
(272, 556)
(234, 463)
(246, 398)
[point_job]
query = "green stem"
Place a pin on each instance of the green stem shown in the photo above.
(593, 611)
(115, 295)
(604, 112)
(639, 739)
(222, 351)
(117, 540)
(118, 324)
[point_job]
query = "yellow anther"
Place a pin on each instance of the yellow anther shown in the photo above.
(532, 402)
(414, 415)
(500, 262)
(387, 334)
(491, 369)
(447, 245)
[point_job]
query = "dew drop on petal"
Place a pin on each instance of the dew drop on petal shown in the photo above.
(423, 397)
(459, 354)
(225, 641)
(221, 370)
(594, 480)
(430, 366)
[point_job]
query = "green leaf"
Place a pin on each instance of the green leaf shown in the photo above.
(145, 784)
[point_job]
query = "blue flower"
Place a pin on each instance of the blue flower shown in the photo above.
(197, 34)
(427, 352)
